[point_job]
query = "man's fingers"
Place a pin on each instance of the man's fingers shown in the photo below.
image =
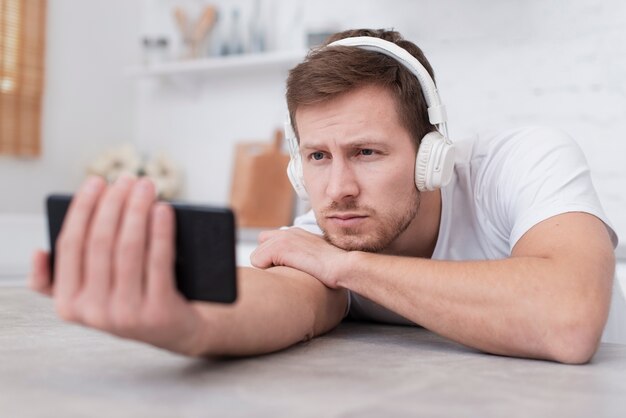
(261, 257)
(70, 245)
(161, 252)
(131, 246)
(39, 279)
(101, 242)
(266, 235)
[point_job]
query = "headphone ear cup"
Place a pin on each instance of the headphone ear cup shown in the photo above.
(434, 163)
(296, 176)
(421, 162)
(294, 168)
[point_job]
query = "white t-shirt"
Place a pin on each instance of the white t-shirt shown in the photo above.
(503, 185)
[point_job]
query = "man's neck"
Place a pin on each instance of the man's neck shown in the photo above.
(420, 238)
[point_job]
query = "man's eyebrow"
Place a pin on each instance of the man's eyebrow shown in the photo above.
(310, 146)
(359, 143)
(368, 143)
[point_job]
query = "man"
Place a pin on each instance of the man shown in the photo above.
(513, 256)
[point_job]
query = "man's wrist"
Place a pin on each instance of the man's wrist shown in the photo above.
(349, 269)
(199, 343)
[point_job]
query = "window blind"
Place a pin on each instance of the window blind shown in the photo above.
(22, 46)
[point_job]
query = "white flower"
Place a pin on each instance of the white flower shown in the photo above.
(115, 162)
(124, 159)
(166, 176)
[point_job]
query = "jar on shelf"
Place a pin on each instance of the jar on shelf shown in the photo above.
(155, 50)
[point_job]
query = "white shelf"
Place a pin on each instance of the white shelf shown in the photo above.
(278, 60)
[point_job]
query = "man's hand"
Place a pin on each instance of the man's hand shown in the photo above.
(301, 250)
(114, 267)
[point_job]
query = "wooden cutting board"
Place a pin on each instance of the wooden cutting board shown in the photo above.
(261, 194)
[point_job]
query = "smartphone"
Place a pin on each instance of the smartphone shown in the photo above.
(206, 266)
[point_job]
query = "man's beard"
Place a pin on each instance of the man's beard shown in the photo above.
(387, 230)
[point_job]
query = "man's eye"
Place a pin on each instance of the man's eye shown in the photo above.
(367, 151)
(317, 156)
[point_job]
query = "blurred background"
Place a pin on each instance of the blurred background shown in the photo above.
(192, 91)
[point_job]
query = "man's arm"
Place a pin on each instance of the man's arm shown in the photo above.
(548, 300)
(114, 271)
(275, 309)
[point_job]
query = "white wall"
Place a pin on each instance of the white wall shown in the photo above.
(559, 63)
(498, 64)
(88, 103)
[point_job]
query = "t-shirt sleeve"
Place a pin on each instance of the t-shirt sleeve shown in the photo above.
(536, 173)
(308, 223)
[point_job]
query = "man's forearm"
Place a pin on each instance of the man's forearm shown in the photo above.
(548, 300)
(275, 309)
(514, 306)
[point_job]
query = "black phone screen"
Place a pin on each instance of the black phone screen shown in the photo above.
(205, 248)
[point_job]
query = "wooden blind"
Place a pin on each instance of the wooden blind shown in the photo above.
(22, 42)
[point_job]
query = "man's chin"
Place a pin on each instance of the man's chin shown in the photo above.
(354, 242)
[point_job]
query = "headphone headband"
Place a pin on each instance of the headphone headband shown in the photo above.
(436, 110)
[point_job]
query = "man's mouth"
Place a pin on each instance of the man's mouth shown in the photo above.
(346, 220)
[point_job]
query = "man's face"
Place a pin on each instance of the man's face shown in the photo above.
(359, 165)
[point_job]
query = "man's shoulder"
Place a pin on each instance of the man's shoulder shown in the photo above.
(497, 160)
(513, 144)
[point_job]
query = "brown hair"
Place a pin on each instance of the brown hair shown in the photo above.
(328, 72)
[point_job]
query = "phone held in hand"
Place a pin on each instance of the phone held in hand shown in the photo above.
(205, 248)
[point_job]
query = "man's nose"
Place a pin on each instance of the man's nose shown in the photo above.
(342, 182)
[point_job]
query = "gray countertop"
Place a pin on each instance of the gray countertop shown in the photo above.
(49, 368)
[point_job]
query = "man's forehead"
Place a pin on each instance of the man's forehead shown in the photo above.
(366, 115)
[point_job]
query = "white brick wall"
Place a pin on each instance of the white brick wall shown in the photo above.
(568, 71)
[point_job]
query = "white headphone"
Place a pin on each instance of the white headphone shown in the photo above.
(435, 158)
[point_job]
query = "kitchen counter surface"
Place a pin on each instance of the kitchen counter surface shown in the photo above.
(50, 368)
